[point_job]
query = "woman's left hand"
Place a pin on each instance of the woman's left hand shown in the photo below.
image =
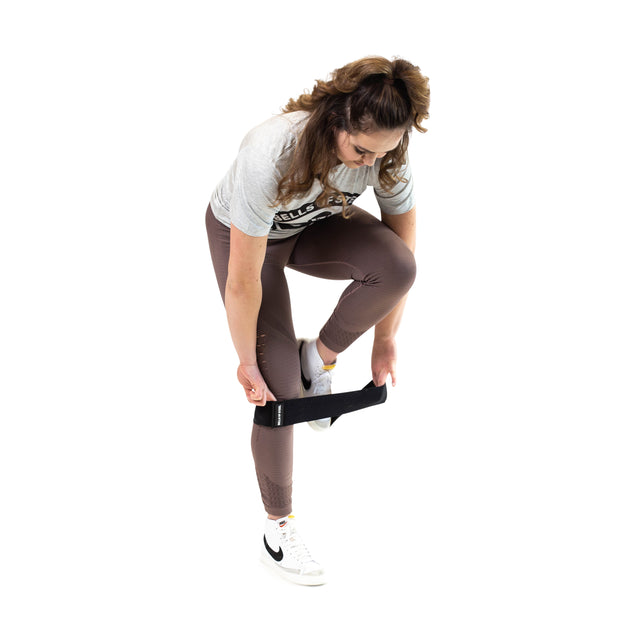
(383, 361)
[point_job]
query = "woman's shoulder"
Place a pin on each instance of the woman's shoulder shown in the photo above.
(277, 134)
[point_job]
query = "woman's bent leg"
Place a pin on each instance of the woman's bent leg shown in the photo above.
(364, 250)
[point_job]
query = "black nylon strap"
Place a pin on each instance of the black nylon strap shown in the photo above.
(283, 412)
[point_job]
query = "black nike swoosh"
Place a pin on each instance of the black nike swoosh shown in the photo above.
(276, 556)
(306, 383)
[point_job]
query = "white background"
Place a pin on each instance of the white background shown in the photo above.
(494, 495)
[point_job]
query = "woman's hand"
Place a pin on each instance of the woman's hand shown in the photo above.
(383, 361)
(255, 388)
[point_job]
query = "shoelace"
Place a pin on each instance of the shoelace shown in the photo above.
(297, 547)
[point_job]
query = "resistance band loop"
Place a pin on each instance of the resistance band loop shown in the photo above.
(283, 412)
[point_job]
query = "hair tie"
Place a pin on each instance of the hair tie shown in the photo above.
(389, 81)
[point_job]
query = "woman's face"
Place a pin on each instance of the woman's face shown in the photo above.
(358, 149)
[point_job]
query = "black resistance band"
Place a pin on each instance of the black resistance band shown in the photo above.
(283, 412)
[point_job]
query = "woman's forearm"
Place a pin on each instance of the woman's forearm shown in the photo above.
(242, 303)
(243, 292)
(404, 226)
(388, 327)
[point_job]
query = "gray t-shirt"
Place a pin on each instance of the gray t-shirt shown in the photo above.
(246, 194)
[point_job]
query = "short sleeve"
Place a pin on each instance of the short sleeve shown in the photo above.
(255, 187)
(401, 198)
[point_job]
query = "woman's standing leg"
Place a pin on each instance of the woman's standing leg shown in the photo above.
(277, 356)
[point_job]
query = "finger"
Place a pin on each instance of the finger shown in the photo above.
(259, 401)
(393, 375)
(253, 395)
(260, 396)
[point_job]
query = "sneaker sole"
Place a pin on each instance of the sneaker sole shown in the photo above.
(296, 578)
(322, 426)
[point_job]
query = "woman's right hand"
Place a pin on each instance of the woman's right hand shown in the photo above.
(255, 388)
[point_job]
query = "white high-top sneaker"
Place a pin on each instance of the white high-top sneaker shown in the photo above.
(284, 552)
(315, 377)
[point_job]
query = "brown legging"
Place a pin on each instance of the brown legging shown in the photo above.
(361, 249)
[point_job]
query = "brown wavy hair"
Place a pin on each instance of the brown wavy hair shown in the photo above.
(365, 96)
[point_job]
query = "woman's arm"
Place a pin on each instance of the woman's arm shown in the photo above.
(403, 225)
(243, 297)
(383, 357)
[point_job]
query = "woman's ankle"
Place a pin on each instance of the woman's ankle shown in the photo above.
(328, 356)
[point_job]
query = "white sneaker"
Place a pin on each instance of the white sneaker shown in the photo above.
(315, 377)
(284, 552)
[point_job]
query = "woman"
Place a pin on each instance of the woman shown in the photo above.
(287, 201)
